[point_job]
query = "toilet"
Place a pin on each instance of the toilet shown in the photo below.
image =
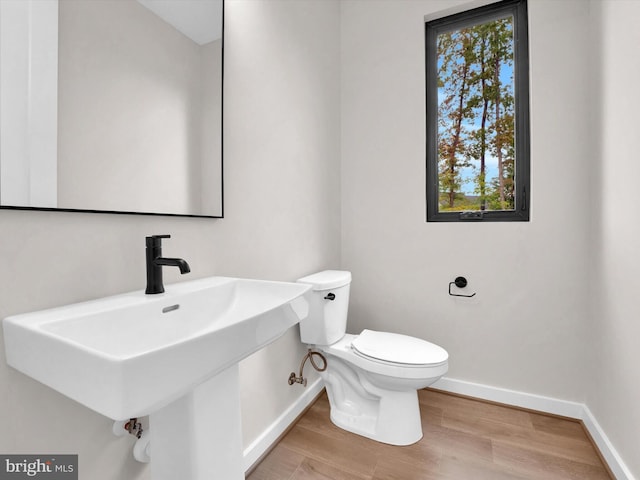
(371, 378)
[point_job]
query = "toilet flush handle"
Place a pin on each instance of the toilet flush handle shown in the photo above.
(330, 296)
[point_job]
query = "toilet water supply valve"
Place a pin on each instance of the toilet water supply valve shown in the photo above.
(309, 356)
(134, 427)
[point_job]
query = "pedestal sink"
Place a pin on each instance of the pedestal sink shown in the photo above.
(172, 356)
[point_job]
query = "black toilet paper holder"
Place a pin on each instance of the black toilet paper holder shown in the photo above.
(459, 282)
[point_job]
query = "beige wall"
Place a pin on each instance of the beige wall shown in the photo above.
(282, 188)
(526, 327)
(555, 311)
(614, 391)
(281, 222)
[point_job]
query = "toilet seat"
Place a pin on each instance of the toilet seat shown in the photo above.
(343, 349)
(397, 349)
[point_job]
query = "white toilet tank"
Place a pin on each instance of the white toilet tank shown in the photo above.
(329, 305)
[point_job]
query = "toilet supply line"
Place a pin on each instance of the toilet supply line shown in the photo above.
(309, 356)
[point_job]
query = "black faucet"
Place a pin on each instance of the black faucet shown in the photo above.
(155, 262)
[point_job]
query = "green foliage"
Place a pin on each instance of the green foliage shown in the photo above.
(476, 122)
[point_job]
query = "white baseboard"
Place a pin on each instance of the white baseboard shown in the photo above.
(544, 404)
(511, 397)
(616, 464)
(264, 442)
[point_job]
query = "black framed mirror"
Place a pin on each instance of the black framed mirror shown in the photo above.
(112, 106)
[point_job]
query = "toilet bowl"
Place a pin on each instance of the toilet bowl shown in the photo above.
(371, 378)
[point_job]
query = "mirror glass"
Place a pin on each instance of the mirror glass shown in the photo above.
(112, 105)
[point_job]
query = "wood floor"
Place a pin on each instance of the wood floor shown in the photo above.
(464, 439)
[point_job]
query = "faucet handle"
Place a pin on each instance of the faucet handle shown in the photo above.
(155, 240)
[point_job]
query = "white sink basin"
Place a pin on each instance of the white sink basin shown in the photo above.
(130, 355)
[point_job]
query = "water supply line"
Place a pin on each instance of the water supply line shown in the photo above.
(309, 356)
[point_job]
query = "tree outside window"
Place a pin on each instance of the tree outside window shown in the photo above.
(477, 115)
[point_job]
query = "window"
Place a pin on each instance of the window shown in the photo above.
(477, 69)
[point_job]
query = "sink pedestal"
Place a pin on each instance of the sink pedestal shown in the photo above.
(199, 436)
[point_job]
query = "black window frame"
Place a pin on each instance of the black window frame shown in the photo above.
(518, 9)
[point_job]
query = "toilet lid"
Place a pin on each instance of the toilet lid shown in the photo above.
(396, 348)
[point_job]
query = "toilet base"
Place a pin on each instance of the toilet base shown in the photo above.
(400, 430)
(358, 406)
